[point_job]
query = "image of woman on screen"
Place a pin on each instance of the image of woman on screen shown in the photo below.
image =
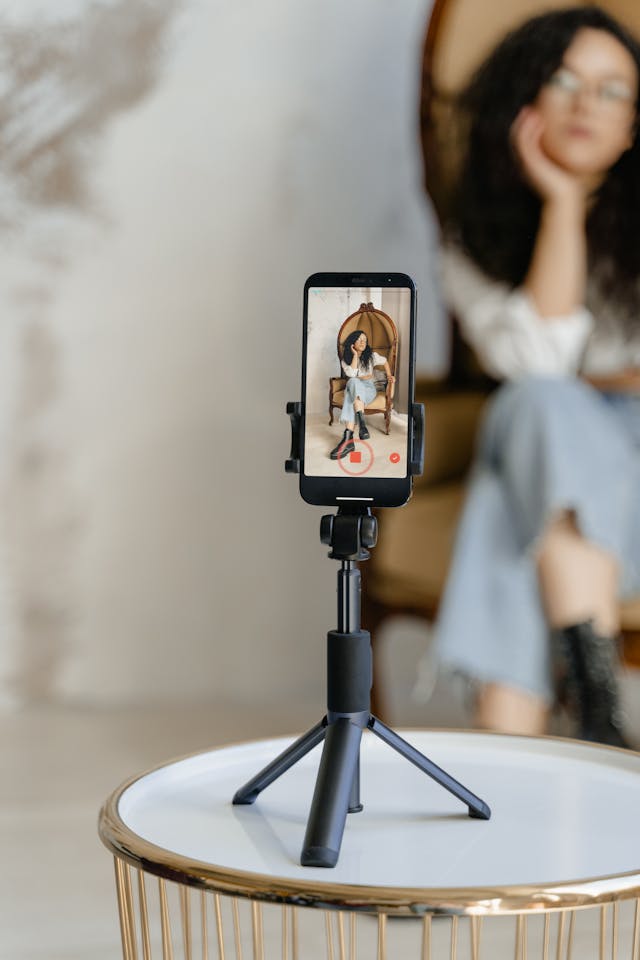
(541, 266)
(358, 364)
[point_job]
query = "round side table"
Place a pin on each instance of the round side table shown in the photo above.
(554, 874)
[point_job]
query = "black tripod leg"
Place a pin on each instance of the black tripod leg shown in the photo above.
(477, 807)
(297, 750)
(332, 794)
(354, 799)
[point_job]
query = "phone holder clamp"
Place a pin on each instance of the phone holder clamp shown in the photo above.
(294, 409)
(416, 450)
(416, 455)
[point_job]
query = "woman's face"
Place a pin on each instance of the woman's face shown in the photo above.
(361, 343)
(589, 105)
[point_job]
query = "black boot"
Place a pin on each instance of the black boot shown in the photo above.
(363, 433)
(591, 686)
(345, 446)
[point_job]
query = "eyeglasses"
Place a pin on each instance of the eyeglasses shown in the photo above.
(608, 95)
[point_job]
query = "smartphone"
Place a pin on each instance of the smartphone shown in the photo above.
(358, 381)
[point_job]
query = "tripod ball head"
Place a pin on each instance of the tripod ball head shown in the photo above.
(369, 531)
(349, 533)
(326, 528)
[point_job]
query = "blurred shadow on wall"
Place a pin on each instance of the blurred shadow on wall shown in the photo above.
(65, 78)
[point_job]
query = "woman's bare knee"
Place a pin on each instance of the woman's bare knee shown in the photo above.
(510, 710)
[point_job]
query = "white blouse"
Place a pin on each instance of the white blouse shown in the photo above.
(510, 338)
(362, 369)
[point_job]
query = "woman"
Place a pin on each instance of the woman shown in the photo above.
(542, 268)
(358, 361)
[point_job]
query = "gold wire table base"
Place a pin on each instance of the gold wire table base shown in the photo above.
(171, 921)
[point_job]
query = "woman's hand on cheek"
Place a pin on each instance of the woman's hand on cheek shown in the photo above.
(548, 179)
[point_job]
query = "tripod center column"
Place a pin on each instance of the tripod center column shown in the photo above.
(349, 597)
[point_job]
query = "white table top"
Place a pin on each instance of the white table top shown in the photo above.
(563, 831)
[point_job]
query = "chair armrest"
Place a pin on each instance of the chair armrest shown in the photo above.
(451, 422)
(409, 565)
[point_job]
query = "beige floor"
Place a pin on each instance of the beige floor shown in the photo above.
(57, 893)
(375, 452)
(57, 899)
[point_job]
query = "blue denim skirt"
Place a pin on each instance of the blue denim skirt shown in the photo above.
(546, 445)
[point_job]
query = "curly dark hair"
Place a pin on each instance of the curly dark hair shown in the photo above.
(495, 213)
(347, 352)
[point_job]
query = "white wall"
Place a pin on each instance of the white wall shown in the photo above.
(153, 544)
(325, 315)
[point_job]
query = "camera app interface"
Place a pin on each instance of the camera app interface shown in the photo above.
(357, 386)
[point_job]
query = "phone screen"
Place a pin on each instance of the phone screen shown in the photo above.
(358, 378)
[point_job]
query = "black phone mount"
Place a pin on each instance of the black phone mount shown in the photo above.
(350, 534)
(416, 438)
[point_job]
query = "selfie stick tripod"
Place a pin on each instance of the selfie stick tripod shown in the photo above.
(349, 678)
